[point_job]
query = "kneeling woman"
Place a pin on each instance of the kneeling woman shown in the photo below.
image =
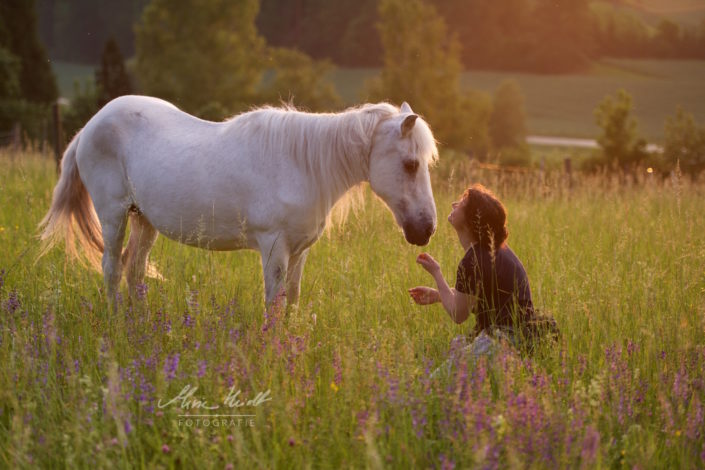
(491, 281)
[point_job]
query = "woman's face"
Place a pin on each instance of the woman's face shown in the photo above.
(457, 215)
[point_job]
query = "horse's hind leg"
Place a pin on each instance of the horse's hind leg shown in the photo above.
(113, 222)
(293, 277)
(142, 237)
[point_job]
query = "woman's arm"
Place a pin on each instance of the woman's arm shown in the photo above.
(457, 304)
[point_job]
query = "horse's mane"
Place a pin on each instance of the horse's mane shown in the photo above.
(333, 148)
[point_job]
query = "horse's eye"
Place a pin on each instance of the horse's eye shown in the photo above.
(410, 166)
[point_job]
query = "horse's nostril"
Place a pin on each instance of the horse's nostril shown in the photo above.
(418, 233)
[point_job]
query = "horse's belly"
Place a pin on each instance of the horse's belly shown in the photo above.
(210, 241)
(208, 233)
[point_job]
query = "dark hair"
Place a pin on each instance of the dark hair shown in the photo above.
(486, 216)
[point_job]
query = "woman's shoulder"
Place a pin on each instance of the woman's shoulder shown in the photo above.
(506, 250)
(476, 255)
(508, 256)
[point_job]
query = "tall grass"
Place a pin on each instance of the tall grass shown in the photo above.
(619, 266)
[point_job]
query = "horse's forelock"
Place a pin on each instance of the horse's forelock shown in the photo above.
(421, 133)
(424, 141)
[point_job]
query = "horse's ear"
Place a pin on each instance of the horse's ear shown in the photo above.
(408, 124)
(405, 108)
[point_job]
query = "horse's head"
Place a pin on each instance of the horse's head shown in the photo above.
(402, 149)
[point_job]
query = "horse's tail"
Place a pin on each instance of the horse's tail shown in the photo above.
(71, 206)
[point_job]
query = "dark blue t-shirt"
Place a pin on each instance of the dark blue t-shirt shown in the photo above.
(500, 284)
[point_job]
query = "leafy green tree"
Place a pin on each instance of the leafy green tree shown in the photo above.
(668, 37)
(342, 31)
(619, 140)
(28, 85)
(18, 34)
(493, 34)
(684, 143)
(507, 123)
(300, 77)
(9, 75)
(12, 106)
(563, 35)
(208, 58)
(195, 52)
(111, 77)
(422, 66)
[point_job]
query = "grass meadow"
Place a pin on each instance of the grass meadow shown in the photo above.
(344, 380)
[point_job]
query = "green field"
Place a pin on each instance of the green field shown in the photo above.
(619, 267)
(556, 105)
(563, 105)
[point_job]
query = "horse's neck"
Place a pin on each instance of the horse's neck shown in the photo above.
(345, 163)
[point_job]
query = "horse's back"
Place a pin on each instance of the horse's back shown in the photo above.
(131, 128)
(131, 116)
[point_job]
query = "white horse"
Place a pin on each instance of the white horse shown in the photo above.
(266, 180)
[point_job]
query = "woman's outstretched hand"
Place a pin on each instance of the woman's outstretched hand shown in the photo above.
(428, 263)
(424, 295)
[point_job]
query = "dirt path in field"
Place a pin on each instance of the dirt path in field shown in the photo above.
(573, 142)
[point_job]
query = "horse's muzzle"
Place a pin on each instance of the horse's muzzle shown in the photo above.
(419, 233)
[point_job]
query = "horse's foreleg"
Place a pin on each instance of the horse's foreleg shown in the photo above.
(142, 237)
(293, 277)
(275, 262)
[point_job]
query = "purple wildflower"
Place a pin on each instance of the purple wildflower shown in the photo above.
(694, 424)
(192, 301)
(12, 303)
(166, 449)
(171, 365)
(446, 463)
(680, 385)
(393, 390)
(338, 369)
(362, 418)
(591, 443)
(631, 347)
(418, 418)
(202, 367)
(188, 320)
(141, 291)
(86, 304)
(582, 364)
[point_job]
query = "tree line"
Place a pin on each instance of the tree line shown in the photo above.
(216, 63)
(526, 35)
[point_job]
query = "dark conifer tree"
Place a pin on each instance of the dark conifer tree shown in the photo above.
(18, 36)
(111, 77)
